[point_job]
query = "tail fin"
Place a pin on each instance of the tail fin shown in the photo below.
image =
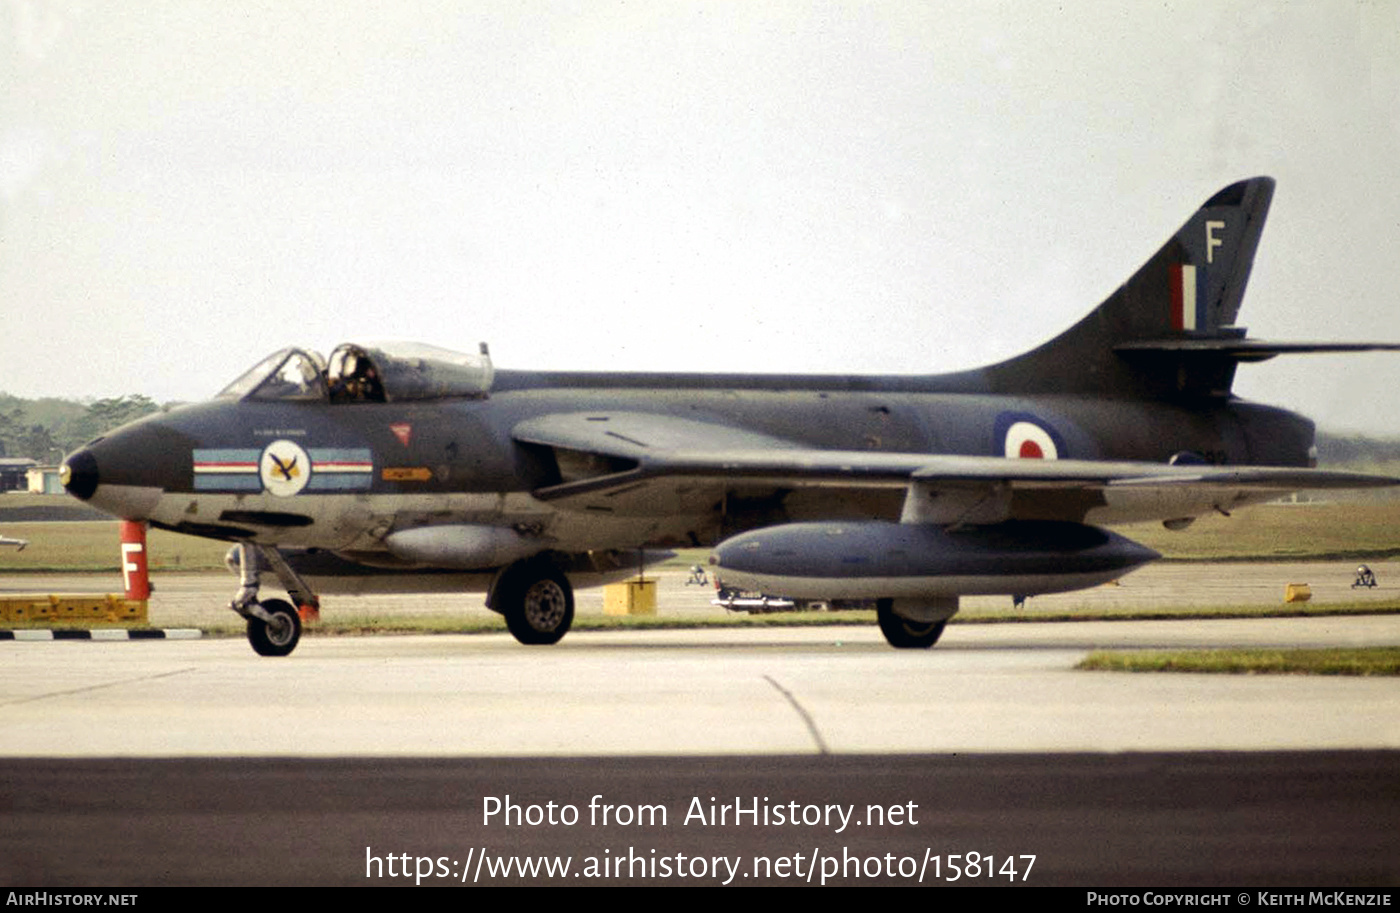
(1169, 330)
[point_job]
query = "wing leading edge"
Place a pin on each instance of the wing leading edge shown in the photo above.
(634, 451)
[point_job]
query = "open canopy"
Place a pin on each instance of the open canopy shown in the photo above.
(365, 373)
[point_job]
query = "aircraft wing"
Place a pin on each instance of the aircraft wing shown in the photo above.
(633, 456)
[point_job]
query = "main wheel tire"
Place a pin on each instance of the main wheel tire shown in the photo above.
(279, 637)
(538, 603)
(904, 633)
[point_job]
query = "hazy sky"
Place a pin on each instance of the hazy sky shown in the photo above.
(826, 187)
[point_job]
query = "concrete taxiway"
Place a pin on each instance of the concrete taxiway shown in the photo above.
(838, 690)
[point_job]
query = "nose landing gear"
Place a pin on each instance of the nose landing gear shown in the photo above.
(277, 635)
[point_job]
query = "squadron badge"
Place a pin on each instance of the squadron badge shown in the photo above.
(285, 468)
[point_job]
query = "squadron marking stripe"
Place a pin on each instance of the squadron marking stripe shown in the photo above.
(245, 481)
(321, 469)
(341, 454)
(341, 459)
(341, 469)
(341, 482)
(225, 470)
(225, 461)
(225, 467)
(337, 466)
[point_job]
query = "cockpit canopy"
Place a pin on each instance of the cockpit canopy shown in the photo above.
(365, 373)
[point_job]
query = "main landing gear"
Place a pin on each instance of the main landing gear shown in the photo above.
(536, 599)
(274, 625)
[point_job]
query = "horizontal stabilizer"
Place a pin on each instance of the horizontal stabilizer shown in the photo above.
(1248, 349)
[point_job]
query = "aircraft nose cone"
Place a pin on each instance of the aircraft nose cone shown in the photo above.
(126, 472)
(79, 474)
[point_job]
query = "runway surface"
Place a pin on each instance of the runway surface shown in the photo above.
(197, 762)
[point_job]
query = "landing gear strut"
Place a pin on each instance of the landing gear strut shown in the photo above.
(274, 625)
(536, 599)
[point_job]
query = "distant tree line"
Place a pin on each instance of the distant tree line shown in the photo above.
(45, 429)
(1340, 450)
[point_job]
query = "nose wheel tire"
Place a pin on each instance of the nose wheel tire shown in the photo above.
(904, 633)
(538, 604)
(278, 637)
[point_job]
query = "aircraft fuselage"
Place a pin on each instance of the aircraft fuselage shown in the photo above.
(376, 467)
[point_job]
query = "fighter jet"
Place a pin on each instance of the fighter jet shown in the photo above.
(408, 463)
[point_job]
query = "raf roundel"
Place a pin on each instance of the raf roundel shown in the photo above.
(285, 468)
(1028, 441)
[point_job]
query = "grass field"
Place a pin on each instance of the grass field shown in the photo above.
(94, 546)
(1367, 661)
(1359, 530)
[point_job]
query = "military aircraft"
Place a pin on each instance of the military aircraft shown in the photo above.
(908, 491)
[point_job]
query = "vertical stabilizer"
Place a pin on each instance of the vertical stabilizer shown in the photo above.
(1139, 342)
